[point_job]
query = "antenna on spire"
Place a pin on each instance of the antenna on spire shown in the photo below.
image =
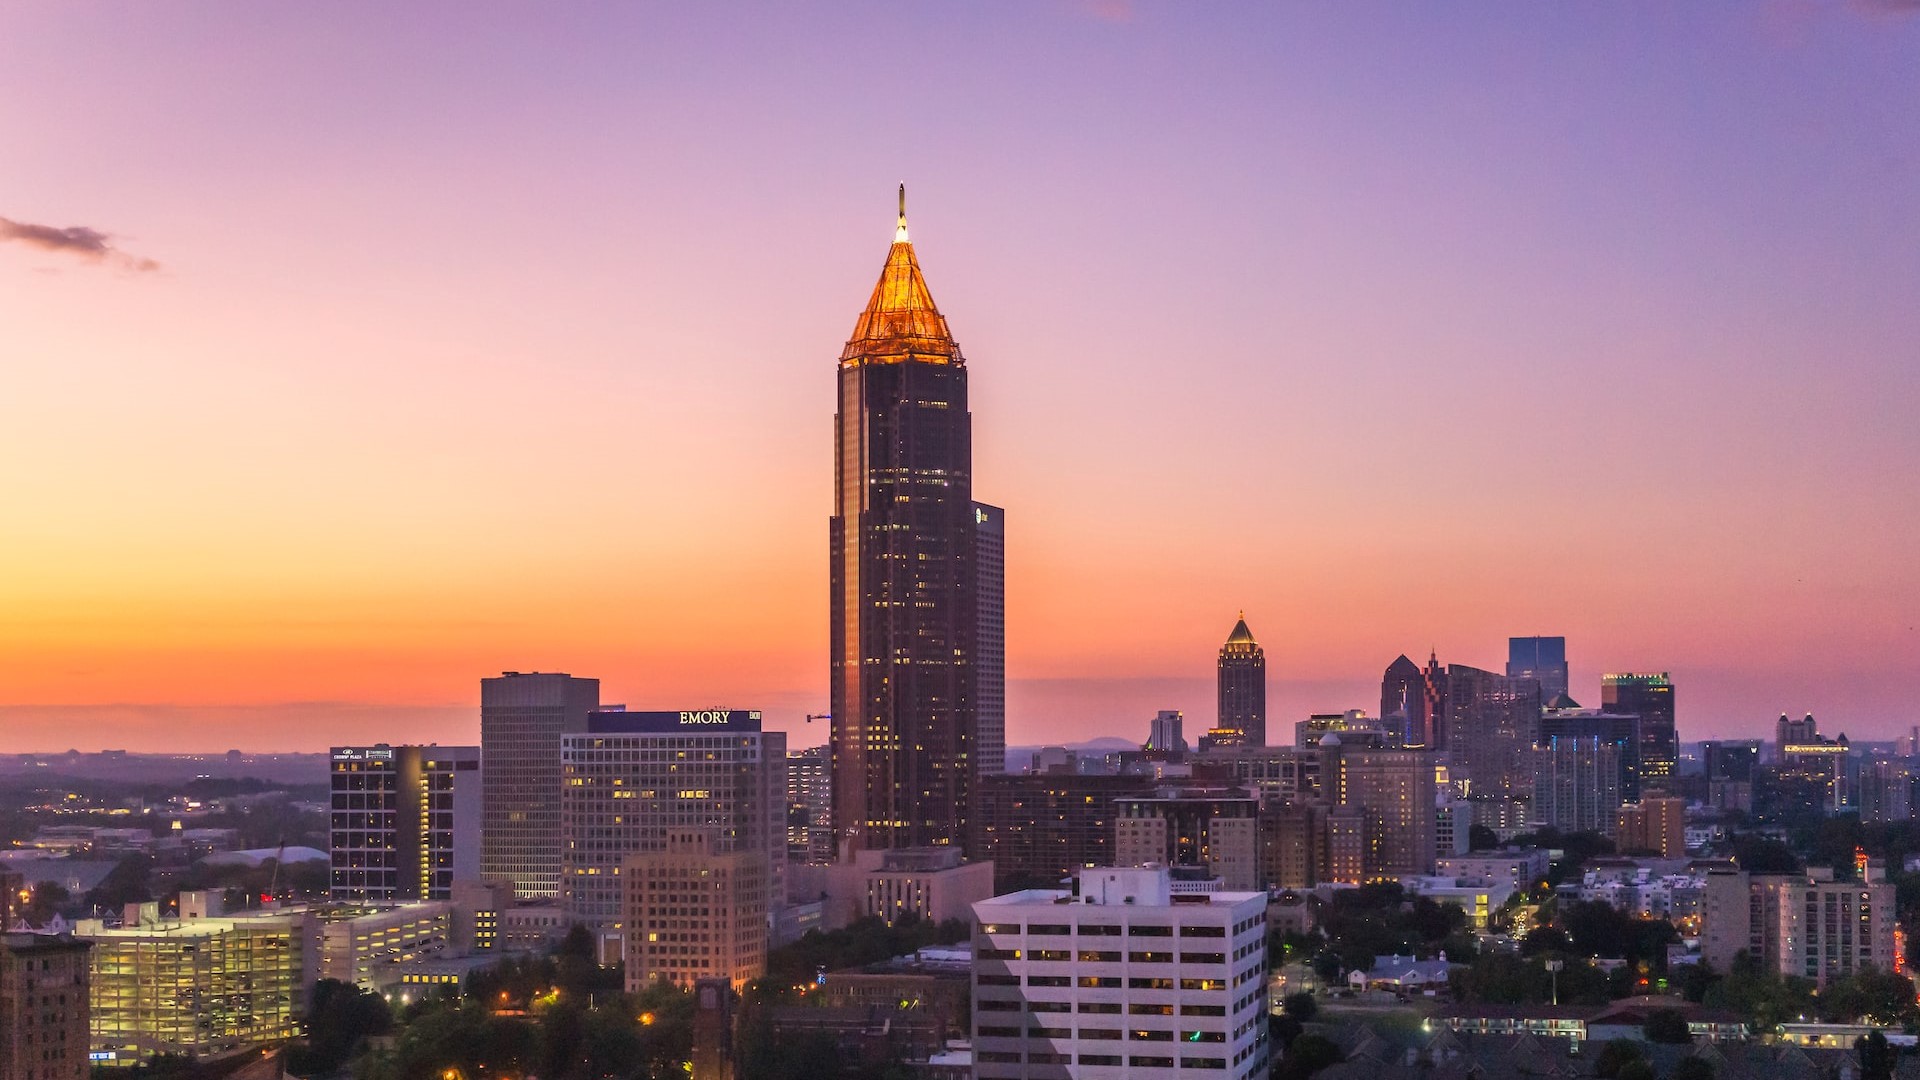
(900, 231)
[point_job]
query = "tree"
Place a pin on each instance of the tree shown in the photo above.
(1615, 1056)
(1667, 1026)
(1308, 1055)
(1692, 1068)
(1877, 1059)
(47, 900)
(1481, 838)
(1300, 1006)
(340, 1016)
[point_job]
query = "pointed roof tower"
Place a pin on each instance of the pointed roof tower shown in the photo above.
(1242, 637)
(901, 322)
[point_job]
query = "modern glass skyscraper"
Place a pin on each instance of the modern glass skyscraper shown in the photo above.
(1243, 686)
(904, 611)
(1540, 658)
(1650, 697)
(1492, 723)
(1403, 701)
(990, 630)
(522, 717)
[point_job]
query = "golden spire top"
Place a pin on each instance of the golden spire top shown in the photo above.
(1241, 635)
(900, 322)
(900, 230)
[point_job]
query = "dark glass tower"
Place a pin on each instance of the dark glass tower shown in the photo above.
(903, 579)
(1403, 701)
(1649, 697)
(1243, 688)
(1543, 659)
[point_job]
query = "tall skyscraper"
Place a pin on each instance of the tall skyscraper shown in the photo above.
(1394, 792)
(1243, 687)
(405, 821)
(990, 635)
(1787, 732)
(1543, 659)
(903, 576)
(1650, 697)
(1622, 730)
(1403, 701)
(1576, 783)
(522, 716)
(1491, 726)
(632, 777)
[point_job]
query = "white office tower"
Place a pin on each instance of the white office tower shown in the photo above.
(1121, 978)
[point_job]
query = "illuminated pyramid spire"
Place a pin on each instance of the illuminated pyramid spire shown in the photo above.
(901, 322)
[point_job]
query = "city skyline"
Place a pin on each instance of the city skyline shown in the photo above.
(313, 425)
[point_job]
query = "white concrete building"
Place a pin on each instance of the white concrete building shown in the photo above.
(1122, 978)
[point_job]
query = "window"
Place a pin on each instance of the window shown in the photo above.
(998, 1057)
(1050, 1006)
(997, 1006)
(1049, 980)
(1049, 928)
(1203, 931)
(1099, 1006)
(1096, 982)
(1203, 984)
(1149, 931)
(999, 954)
(1051, 955)
(1000, 928)
(996, 980)
(1096, 930)
(1049, 1033)
(999, 1032)
(1203, 1036)
(1203, 958)
(1202, 1010)
(1150, 984)
(1141, 1009)
(1095, 956)
(1140, 1062)
(1151, 957)
(1099, 1059)
(1099, 1033)
(1149, 1035)
(1203, 1063)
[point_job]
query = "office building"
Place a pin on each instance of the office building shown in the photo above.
(693, 911)
(1120, 977)
(1040, 829)
(1242, 688)
(1785, 731)
(1576, 783)
(1404, 701)
(1620, 730)
(1803, 925)
(1354, 727)
(1730, 767)
(1394, 792)
(197, 986)
(1277, 774)
(990, 635)
(44, 986)
(809, 805)
(1165, 735)
(1542, 659)
(1213, 828)
(1886, 789)
(1492, 724)
(1293, 846)
(1649, 697)
(1814, 773)
(903, 623)
(932, 884)
(522, 716)
(405, 821)
(1656, 825)
(633, 776)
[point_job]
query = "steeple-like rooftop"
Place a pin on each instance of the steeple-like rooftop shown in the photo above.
(1241, 635)
(901, 322)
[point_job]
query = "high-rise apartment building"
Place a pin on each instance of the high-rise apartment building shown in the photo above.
(1214, 828)
(1805, 925)
(1242, 686)
(1492, 723)
(904, 576)
(1656, 824)
(1622, 730)
(44, 981)
(1576, 783)
(810, 805)
(1650, 697)
(1045, 827)
(1886, 789)
(990, 635)
(1730, 767)
(632, 777)
(1542, 659)
(1394, 792)
(693, 911)
(1166, 735)
(522, 716)
(1120, 977)
(405, 821)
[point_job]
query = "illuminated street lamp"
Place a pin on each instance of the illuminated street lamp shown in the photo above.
(1553, 969)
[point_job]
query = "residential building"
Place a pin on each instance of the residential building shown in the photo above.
(1621, 730)
(44, 986)
(903, 627)
(630, 777)
(1886, 789)
(1576, 783)
(1120, 977)
(1164, 734)
(1242, 686)
(405, 821)
(522, 717)
(1730, 767)
(1277, 774)
(1542, 659)
(810, 804)
(1213, 828)
(1815, 773)
(1806, 925)
(694, 911)
(933, 883)
(1650, 697)
(1041, 828)
(1654, 825)
(990, 635)
(1394, 792)
(1492, 724)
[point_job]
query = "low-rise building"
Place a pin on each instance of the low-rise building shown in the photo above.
(1517, 868)
(932, 883)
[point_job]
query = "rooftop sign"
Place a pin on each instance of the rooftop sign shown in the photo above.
(660, 723)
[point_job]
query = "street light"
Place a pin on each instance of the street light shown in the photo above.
(1553, 969)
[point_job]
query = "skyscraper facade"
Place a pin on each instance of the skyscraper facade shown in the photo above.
(903, 576)
(1492, 723)
(522, 716)
(1243, 686)
(1543, 659)
(1403, 700)
(990, 633)
(1650, 697)
(1622, 730)
(405, 821)
(1576, 783)
(1394, 791)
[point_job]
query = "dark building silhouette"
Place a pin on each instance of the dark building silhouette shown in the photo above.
(1436, 680)
(1650, 697)
(1492, 724)
(1543, 659)
(1042, 828)
(903, 578)
(522, 716)
(1731, 767)
(990, 631)
(1618, 730)
(1243, 691)
(1403, 701)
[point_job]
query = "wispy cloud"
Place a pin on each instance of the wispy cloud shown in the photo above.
(78, 240)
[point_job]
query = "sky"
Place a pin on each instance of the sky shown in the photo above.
(353, 352)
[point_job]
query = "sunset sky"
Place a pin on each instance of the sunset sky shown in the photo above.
(352, 352)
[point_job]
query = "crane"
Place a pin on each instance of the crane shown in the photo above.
(811, 717)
